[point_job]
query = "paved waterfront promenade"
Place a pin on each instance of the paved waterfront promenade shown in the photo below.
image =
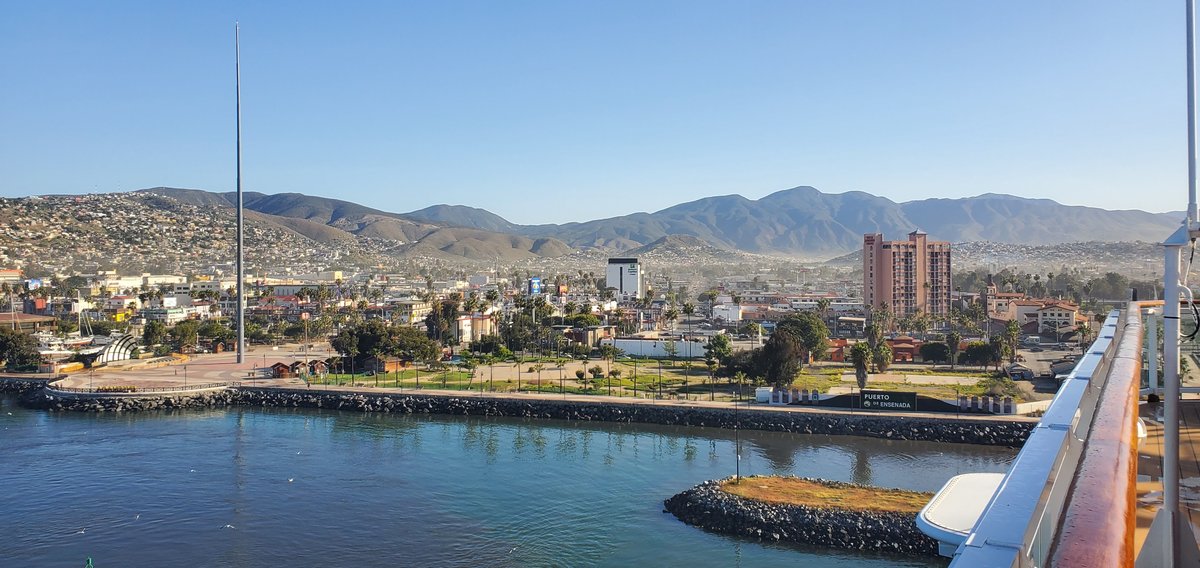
(223, 368)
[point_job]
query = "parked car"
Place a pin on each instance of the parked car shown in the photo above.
(1019, 372)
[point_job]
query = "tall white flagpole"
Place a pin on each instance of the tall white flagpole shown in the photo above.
(241, 276)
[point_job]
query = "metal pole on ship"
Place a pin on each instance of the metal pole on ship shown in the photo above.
(1170, 541)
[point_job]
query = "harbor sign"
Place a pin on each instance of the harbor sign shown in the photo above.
(889, 400)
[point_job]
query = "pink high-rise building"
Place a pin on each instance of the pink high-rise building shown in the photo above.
(907, 276)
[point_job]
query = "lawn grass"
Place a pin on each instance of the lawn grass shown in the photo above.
(671, 382)
(809, 493)
(822, 381)
(990, 386)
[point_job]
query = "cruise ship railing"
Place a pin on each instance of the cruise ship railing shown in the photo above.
(1042, 489)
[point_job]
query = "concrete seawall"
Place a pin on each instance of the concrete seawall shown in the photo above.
(708, 507)
(887, 426)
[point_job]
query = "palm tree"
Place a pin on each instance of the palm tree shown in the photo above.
(322, 294)
(979, 318)
(952, 340)
(904, 324)
(609, 353)
(711, 364)
(823, 307)
(860, 356)
(560, 364)
(1012, 334)
(689, 309)
(920, 322)
(490, 361)
(883, 318)
(472, 303)
(646, 301)
(517, 358)
(669, 316)
(1085, 331)
(687, 367)
(469, 365)
(537, 368)
(8, 291)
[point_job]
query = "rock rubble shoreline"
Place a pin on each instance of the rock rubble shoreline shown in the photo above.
(892, 427)
(709, 507)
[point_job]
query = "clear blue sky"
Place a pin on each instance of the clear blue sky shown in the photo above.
(571, 110)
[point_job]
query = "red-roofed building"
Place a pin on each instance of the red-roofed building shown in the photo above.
(905, 349)
(1056, 316)
(10, 276)
(839, 350)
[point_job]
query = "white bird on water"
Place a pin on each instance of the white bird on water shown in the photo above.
(80, 531)
(291, 479)
(229, 527)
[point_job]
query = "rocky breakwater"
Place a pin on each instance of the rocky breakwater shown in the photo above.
(14, 385)
(45, 399)
(895, 427)
(711, 508)
(1010, 433)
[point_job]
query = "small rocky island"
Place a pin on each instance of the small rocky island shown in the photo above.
(808, 511)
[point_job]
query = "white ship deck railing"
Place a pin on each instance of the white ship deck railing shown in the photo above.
(1041, 496)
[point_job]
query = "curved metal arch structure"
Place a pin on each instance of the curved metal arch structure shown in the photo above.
(121, 349)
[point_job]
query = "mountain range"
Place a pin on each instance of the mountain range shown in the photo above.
(797, 222)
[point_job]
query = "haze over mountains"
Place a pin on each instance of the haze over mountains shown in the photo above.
(798, 222)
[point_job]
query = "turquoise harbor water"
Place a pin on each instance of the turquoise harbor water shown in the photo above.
(272, 487)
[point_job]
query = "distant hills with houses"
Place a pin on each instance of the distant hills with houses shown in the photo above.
(798, 222)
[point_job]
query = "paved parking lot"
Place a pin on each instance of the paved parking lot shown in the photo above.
(1041, 359)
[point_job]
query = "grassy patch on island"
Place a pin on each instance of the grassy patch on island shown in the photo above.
(832, 495)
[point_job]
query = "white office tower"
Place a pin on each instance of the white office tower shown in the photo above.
(624, 276)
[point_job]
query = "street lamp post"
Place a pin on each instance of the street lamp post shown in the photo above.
(737, 444)
(660, 379)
